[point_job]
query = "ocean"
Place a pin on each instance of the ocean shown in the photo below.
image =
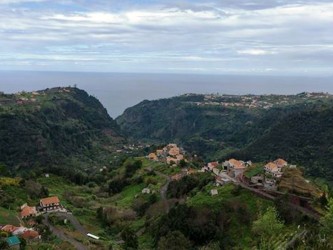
(118, 91)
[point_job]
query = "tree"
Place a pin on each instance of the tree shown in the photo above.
(174, 240)
(3, 244)
(327, 222)
(23, 244)
(130, 238)
(268, 224)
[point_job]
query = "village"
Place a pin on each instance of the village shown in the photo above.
(260, 178)
(27, 215)
(256, 101)
(264, 178)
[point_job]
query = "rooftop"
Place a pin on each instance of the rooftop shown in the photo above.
(13, 240)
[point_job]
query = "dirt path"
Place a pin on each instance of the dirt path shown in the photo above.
(60, 234)
(164, 189)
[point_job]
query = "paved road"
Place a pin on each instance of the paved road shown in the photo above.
(60, 234)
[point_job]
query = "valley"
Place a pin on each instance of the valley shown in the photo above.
(239, 176)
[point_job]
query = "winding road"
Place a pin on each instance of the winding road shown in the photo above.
(60, 234)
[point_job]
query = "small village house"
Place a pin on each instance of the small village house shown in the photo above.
(235, 168)
(9, 228)
(145, 191)
(13, 242)
(280, 163)
(27, 212)
(30, 235)
(214, 192)
(153, 157)
(212, 165)
(50, 203)
(272, 169)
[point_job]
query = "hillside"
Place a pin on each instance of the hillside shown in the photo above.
(295, 127)
(303, 137)
(54, 127)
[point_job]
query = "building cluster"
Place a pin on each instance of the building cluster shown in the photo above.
(13, 240)
(48, 204)
(171, 154)
(271, 174)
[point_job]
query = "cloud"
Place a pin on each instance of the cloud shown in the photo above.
(163, 35)
(255, 52)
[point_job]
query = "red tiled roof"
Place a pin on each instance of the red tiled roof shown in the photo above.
(50, 200)
(214, 164)
(30, 234)
(9, 228)
(27, 211)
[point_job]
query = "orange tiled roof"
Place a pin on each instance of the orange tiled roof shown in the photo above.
(174, 151)
(236, 163)
(152, 156)
(271, 166)
(27, 211)
(280, 162)
(50, 200)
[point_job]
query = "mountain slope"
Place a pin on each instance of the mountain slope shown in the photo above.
(297, 127)
(46, 127)
(303, 138)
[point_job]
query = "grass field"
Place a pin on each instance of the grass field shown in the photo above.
(9, 217)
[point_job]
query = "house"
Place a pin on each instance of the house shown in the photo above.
(13, 242)
(235, 168)
(212, 165)
(214, 192)
(171, 160)
(159, 152)
(174, 151)
(280, 163)
(9, 228)
(30, 235)
(273, 169)
(27, 212)
(50, 203)
(145, 191)
(152, 156)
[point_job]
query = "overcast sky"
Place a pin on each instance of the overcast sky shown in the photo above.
(274, 37)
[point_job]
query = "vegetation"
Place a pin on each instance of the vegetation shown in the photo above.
(296, 128)
(62, 142)
(54, 127)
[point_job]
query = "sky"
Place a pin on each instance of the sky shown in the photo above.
(269, 37)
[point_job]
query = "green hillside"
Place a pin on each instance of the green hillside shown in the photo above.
(54, 127)
(295, 127)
